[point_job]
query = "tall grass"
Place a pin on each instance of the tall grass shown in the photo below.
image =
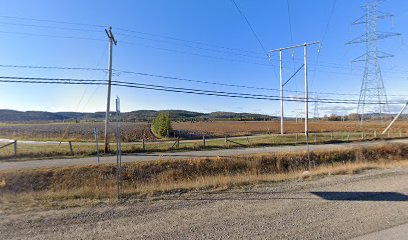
(153, 177)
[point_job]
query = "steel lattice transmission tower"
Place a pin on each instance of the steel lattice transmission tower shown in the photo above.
(373, 97)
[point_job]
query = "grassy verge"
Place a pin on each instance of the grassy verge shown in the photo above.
(32, 151)
(83, 184)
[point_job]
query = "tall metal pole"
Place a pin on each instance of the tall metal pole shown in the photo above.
(281, 92)
(306, 93)
(307, 108)
(111, 42)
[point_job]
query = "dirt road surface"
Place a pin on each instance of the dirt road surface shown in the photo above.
(334, 207)
(13, 165)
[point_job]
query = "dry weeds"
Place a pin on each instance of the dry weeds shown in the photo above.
(97, 183)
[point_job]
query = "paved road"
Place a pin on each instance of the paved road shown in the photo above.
(10, 165)
(394, 233)
(336, 207)
(30, 142)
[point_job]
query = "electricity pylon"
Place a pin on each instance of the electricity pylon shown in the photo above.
(372, 91)
(316, 108)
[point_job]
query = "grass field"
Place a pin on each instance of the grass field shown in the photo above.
(80, 132)
(157, 177)
(240, 134)
(240, 128)
(83, 132)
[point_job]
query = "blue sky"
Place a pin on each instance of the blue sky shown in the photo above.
(152, 48)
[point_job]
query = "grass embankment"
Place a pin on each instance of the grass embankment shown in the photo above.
(97, 183)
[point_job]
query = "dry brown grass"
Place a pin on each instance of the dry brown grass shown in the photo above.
(73, 131)
(156, 177)
(237, 128)
(135, 131)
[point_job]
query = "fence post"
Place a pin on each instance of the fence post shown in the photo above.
(248, 141)
(204, 140)
(315, 138)
(362, 135)
(143, 144)
(226, 141)
(96, 142)
(70, 147)
(15, 148)
(375, 134)
(178, 142)
(348, 136)
(296, 138)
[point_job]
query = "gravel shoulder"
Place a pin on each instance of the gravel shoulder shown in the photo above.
(334, 207)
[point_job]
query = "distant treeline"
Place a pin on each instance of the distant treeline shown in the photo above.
(134, 116)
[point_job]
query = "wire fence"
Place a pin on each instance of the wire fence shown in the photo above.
(30, 149)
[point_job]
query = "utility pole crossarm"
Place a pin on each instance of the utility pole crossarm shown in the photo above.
(295, 46)
(110, 35)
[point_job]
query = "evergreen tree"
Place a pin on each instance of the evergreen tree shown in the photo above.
(161, 125)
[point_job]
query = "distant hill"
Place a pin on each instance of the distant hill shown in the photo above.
(134, 116)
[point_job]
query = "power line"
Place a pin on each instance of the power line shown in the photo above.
(195, 47)
(326, 29)
(226, 50)
(49, 27)
(190, 41)
(49, 35)
(329, 21)
(51, 67)
(336, 65)
(250, 26)
(42, 80)
(180, 79)
(120, 29)
(290, 22)
(197, 54)
(51, 21)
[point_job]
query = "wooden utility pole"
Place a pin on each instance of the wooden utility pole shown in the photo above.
(112, 41)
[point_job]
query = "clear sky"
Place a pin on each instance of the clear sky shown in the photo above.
(152, 47)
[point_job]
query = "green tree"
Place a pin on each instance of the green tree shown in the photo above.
(161, 125)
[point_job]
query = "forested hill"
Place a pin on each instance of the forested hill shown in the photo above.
(140, 115)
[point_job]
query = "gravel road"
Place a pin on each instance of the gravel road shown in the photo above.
(335, 207)
(13, 165)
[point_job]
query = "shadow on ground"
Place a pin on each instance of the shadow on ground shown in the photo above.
(362, 196)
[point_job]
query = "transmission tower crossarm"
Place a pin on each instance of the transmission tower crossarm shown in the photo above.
(367, 38)
(380, 54)
(363, 19)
